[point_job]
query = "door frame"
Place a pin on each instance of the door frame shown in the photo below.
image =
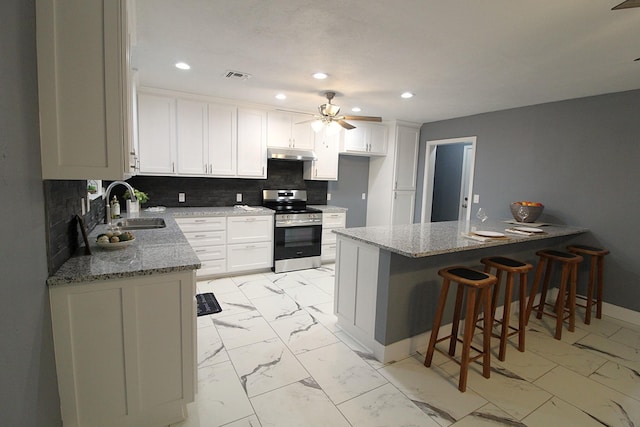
(429, 172)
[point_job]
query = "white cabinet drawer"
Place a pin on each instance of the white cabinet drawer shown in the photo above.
(208, 253)
(249, 256)
(206, 238)
(334, 220)
(328, 236)
(328, 252)
(202, 223)
(212, 267)
(243, 229)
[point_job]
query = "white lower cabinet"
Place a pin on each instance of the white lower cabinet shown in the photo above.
(356, 288)
(230, 244)
(331, 221)
(125, 350)
(208, 237)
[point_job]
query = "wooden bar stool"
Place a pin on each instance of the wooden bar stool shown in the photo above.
(596, 267)
(563, 310)
(473, 282)
(511, 267)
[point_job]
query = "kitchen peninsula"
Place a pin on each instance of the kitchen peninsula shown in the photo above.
(387, 284)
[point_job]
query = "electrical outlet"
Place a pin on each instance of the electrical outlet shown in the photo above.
(83, 207)
(364, 196)
(238, 197)
(476, 198)
(181, 197)
(328, 196)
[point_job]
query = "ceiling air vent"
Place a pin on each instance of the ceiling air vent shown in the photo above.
(236, 75)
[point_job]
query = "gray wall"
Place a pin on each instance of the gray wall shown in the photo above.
(353, 180)
(579, 157)
(28, 387)
(446, 182)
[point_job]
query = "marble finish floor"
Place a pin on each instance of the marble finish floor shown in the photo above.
(275, 357)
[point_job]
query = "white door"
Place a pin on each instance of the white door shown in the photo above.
(157, 133)
(465, 202)
(252, 147)
(223, 128)
(192, 137)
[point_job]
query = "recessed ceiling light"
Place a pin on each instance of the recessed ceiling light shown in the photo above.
(407, 95)
(320, 76)
(281, 96)
(183, 65)
(356, 109)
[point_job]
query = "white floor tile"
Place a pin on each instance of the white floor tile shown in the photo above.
(233, 303)
(490, 415)
(612, 350)
(359, 349)
(210, 347)
(259, 288)
(217, 286)
(384, 406)
(324, 313)
(432, 390)
(308, 295)
(251, 421)
(265, 366)
(325, 283)
(302, 403)
(243, 329)
(602, 403)
(620, 378)
(302, 333)
(628, 337)
(276, 307)
(220, 398)
(557, 412)
(290, 280)
(340, 373)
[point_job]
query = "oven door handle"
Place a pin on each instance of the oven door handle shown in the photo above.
(297, 223)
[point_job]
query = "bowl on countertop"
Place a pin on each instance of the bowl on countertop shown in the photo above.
(534, 211)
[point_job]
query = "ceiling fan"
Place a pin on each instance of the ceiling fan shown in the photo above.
(329, 113)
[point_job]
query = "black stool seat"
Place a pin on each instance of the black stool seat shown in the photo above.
(506, 262)
(473, 282)
(587, 249)
(558, 254)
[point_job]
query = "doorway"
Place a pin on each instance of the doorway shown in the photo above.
(460, 198)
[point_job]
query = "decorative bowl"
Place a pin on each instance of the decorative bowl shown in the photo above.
(117, 245)
(534, 211)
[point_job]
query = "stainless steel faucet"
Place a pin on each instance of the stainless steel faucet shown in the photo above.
(107, 193)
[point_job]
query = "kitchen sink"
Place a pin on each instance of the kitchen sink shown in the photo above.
(140, 223)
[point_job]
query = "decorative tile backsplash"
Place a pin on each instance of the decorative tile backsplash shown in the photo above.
(281, 174)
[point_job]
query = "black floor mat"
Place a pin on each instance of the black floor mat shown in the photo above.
(207, 304)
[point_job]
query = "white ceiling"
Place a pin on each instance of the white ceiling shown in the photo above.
(459, 57)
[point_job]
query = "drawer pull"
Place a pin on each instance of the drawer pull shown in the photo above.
(200, 235)
(200, 220)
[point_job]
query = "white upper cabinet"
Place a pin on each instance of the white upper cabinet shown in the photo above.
(252, 147)
(289, 130)
(367, 139)
(192, 141)
(325, 167)
(84, 89)
(157, 133)
(406, 164)
(223, 137)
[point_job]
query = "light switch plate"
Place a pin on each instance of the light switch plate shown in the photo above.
(364, 196)
(328, 196)
(181, 197)
(238, 197)
(476, 198)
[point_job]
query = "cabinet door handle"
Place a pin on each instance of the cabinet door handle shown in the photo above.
(210, 168)
(173, 166)
(250, 246)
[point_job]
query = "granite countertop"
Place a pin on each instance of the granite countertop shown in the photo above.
(428, 239)
(328, 208)
(154, 251)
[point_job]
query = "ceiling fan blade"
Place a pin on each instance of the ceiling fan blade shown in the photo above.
(628, 4)
(364, 118)
(295, 112)
(345, 125)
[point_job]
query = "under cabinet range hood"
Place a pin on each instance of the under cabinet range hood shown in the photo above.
(290, 154)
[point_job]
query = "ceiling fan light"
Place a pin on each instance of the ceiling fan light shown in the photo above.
(329, 110)
(333, 128)
(317, 125)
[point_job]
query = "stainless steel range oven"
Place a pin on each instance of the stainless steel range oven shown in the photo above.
(297, 230)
